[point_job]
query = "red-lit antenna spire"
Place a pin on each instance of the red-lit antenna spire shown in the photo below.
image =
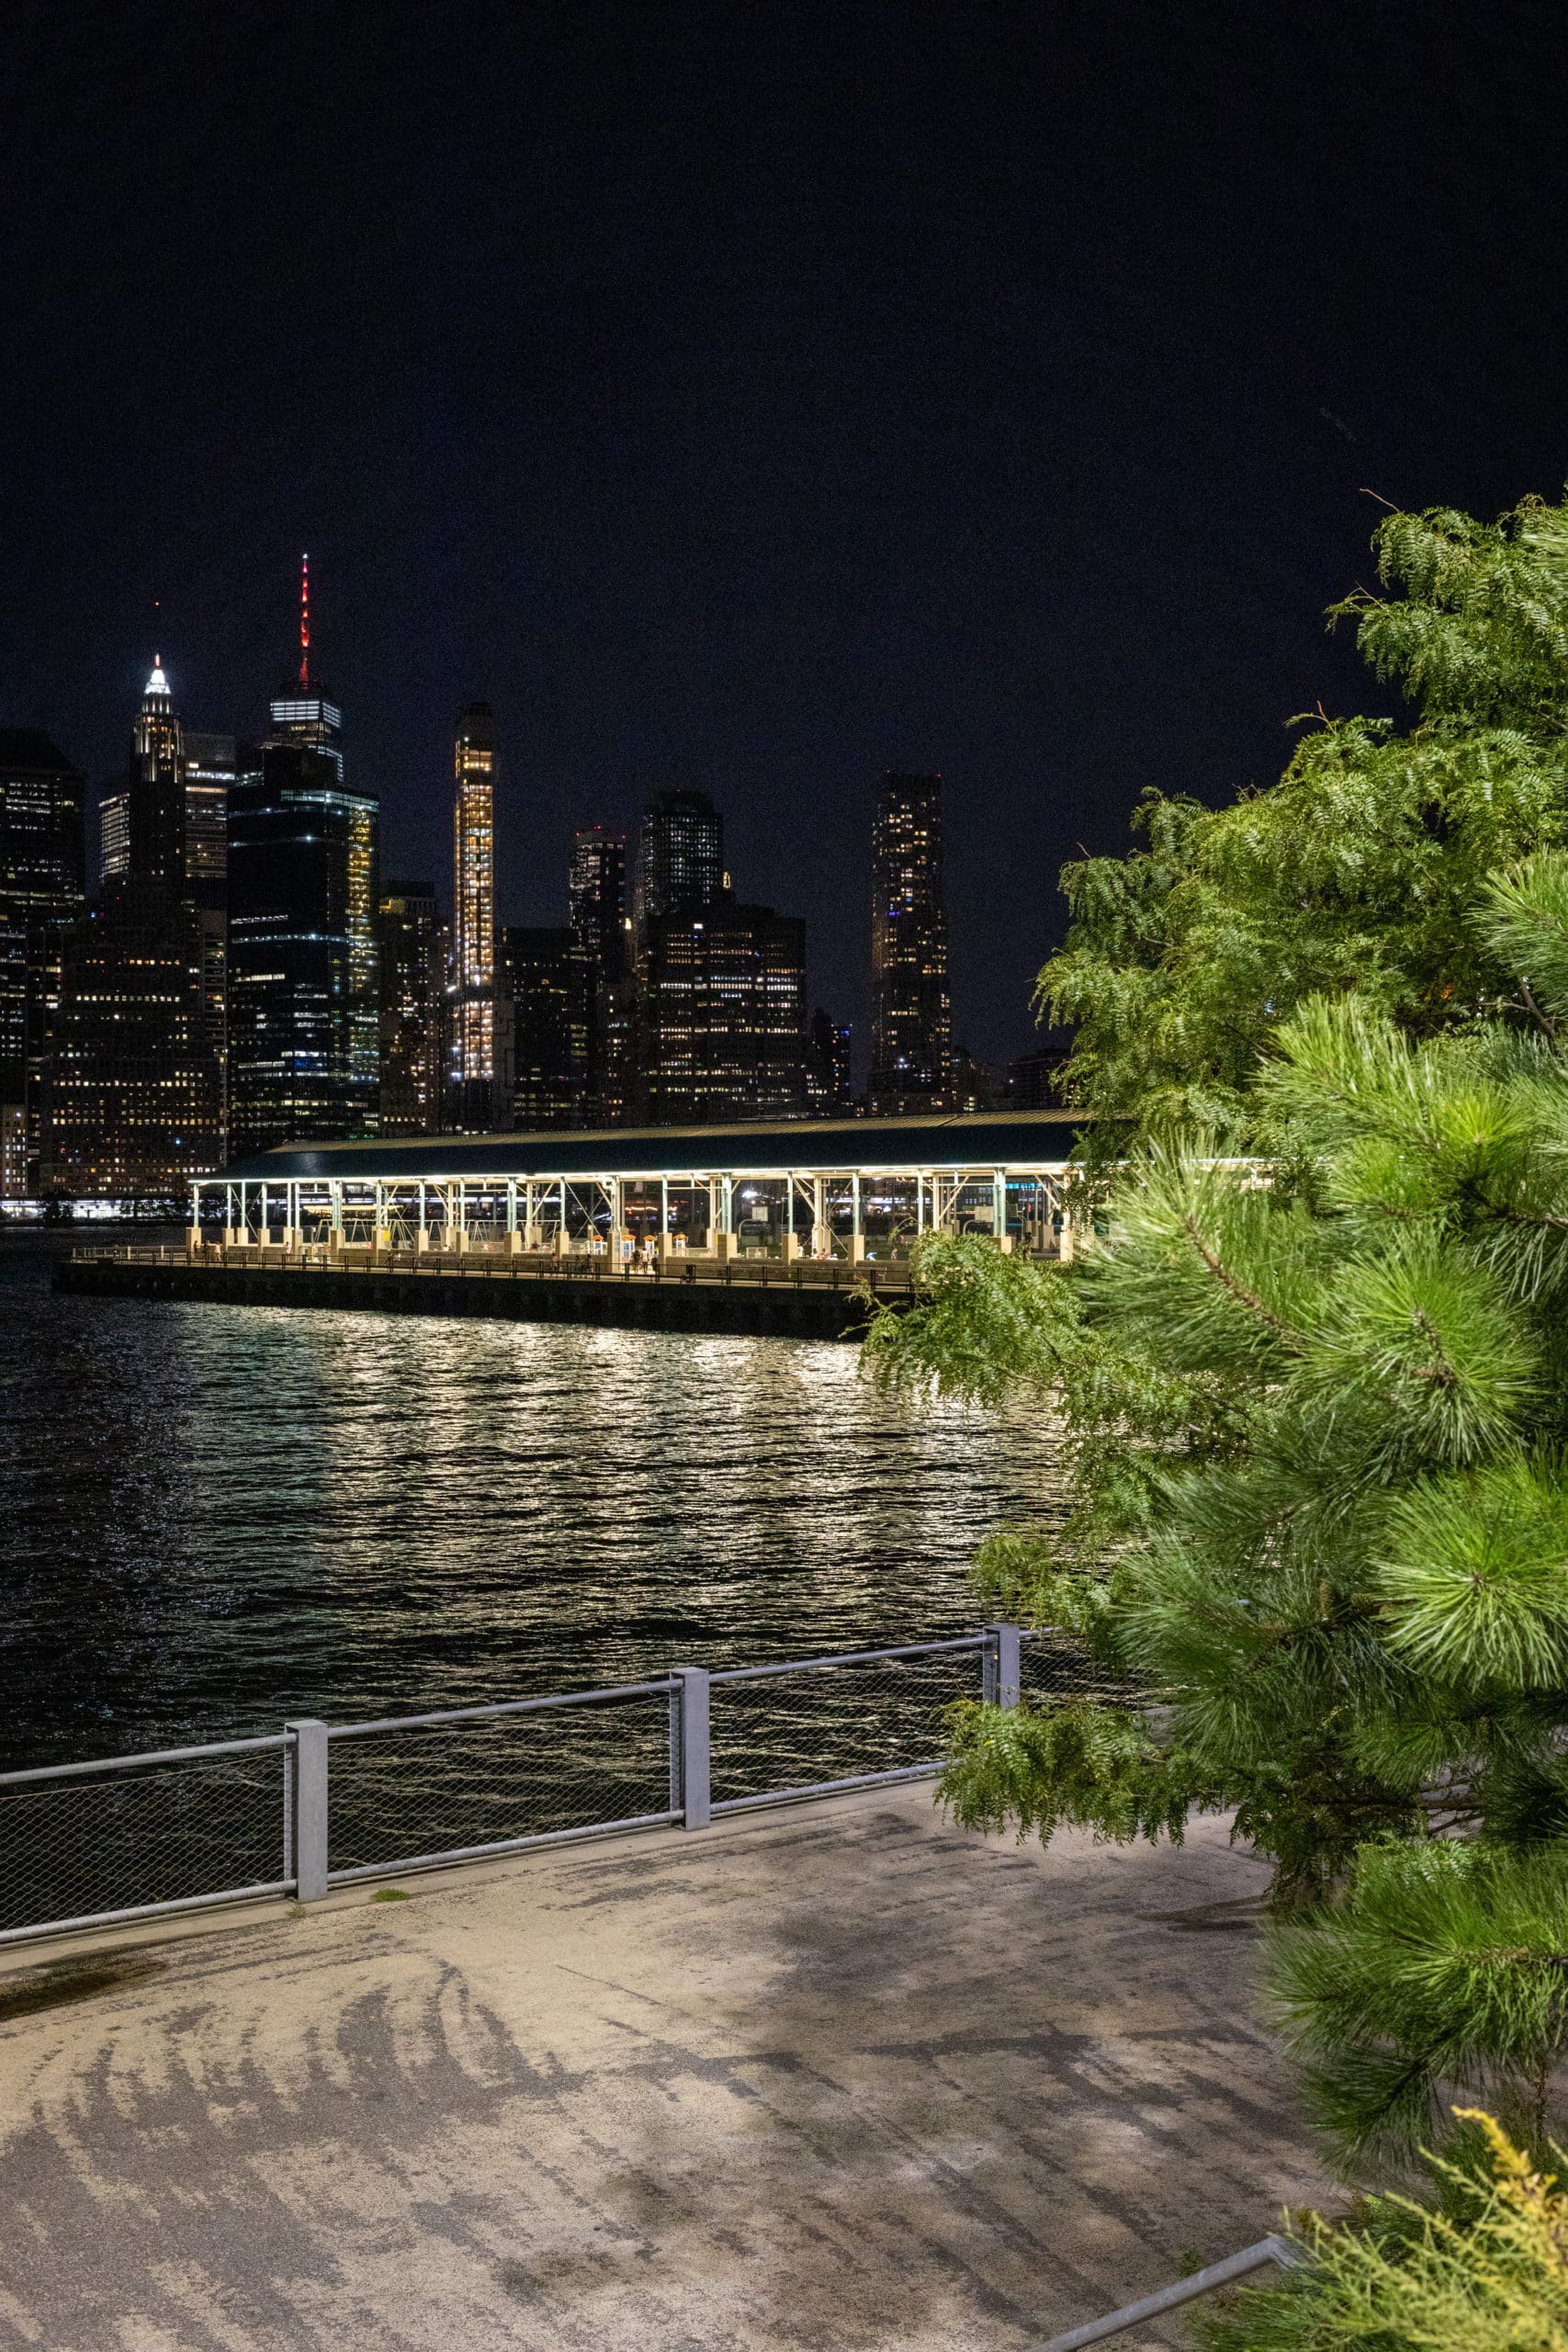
(304, 620)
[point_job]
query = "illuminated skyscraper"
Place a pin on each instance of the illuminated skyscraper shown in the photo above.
(304, 709)
(542, 977)
(209, 775)
(413, 1001)
(721, 1017)
(304, 1002)
(304, 972)
(133, 1083)
(41, 900)
(602, 1007)
(476, 1094)
(680, 859)
(911, 1025)
(156, 792)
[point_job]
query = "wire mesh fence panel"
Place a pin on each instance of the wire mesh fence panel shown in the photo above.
(414, 1791)
(75, 1847)
(834, 1723)
(1052, 1665)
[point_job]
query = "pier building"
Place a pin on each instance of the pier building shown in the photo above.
(793, 1190)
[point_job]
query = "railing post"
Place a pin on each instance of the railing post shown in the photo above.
(691, 1786)
(1001, 1687)
(309, 1739)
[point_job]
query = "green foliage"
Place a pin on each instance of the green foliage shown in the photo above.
(1481, 2268)
(1360, 869)
(1318, 1428)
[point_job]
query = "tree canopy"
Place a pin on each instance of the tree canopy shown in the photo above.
(1360, 866)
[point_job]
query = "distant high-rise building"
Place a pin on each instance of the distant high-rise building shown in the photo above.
(133, 1084)
(41, 900)
(304, 1001)
(680, 859)
(911, 1028)
(1033, 1078)
(721, 1015)
(209, 775)
(596, 891)
(413, 997)
(477, 1101)
(155, 787)
(133, 1092)
(828, 1068)
(601, 1018)
(542, 977)
(304, 711)
(114, 836)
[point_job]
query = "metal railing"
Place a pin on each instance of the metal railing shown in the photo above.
(804, 1274)
(1207, 2281)
(317, 1806)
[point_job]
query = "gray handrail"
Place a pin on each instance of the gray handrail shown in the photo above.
(1182, 2290)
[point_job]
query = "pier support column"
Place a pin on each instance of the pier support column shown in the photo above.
(789, 1244)
(193, 1239)
(421, 1243)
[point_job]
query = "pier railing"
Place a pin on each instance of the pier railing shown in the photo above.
(494, 1265)
(317, 1806)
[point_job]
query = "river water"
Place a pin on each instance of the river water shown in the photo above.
(217, 1517)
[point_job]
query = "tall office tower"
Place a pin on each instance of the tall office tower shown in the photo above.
(40, 898)
(542, 975)
(596, 892)
(304, 1001)
(413, 1001)
(304, 709)
(133, 1093)
(209, 774)
(114, 836)
(680, 859)
(911, 1026)
(721, 1017)
(475, 1100)
(155, 787)
(828, 1067)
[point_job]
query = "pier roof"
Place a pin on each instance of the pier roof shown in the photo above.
(970, 1139)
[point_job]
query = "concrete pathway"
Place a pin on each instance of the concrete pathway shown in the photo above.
(842, 2076)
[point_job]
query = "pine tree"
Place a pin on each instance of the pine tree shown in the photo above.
(1316, 1416)
(1359, 869)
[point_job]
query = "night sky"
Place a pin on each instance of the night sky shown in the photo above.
(761, 396)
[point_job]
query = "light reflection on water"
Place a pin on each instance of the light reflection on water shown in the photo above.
(221, 1515)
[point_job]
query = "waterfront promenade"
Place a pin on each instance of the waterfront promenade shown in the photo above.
(843, 2077)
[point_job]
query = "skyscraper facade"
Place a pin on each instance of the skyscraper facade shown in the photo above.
(210, 776)
(304, 1001)
(721, 1017)
(543, 978)
(911, 1025)
(133, 1098)
(828, 1067)
(596, 892)
(477, 1098)
(680, 859)
(413, 998)
(42, 898)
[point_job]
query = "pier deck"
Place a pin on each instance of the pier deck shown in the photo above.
(845, 2077)
(802, 1301)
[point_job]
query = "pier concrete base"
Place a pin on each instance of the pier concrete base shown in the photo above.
(780, 1309)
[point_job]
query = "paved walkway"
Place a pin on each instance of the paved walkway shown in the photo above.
(838, 2078)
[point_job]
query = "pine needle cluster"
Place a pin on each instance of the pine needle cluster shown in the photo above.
(1319, 1426)
(1358, 868)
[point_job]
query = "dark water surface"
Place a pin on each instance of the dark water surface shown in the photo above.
(215, 1517)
